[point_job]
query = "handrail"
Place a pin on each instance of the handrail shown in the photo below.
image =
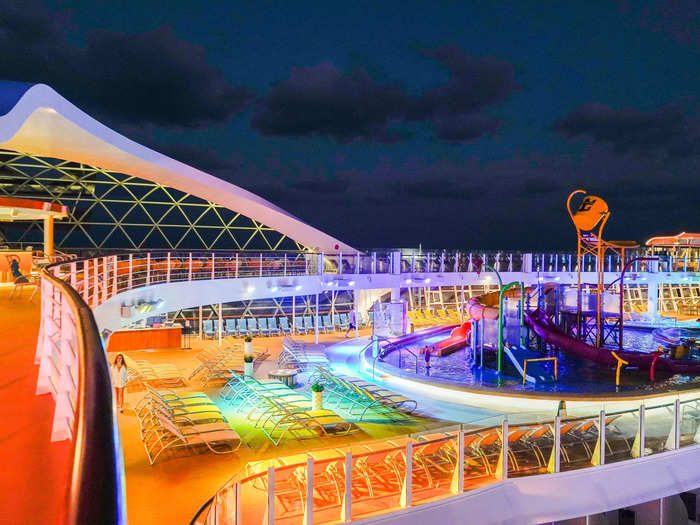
(458, 434)
(97, 480)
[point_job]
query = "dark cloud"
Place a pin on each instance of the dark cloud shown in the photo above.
(323, 101)
(667, 131)
(679, 19)
(330, 186)
(143, 78)
(474, 83)
(461, 128)
(431, 189)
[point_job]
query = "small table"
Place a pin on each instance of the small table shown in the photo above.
(287, 376)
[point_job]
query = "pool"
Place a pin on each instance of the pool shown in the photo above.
(574, 375)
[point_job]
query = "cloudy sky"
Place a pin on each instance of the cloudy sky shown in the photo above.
(448, 124)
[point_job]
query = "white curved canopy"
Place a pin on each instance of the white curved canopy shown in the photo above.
(43, 123)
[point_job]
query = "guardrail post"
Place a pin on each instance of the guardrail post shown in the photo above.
(261, 265)
(557, 444)
(167, 272)
(105, 279)
(148, 268)
(357, 265)
(309, 491)
(95, 281)
(114, 275)
(213, 265)
(347, 514)
(236, 266)
(284, 268)
(413, 263)
(238, 504)
(189, 269)
(460, 462)
(456, 265)
(271, 496)
(408, 482)
(601, 436)
(130, 282)
(504, 449)
(677, 424)
(320, 270)
(373, 268)
(73, 271)
(642, 430)
(442, 261)
(340, 263)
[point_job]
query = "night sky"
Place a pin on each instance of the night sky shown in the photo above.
(387, 124)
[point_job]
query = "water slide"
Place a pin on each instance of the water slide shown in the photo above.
(552, 334)
(457, 339)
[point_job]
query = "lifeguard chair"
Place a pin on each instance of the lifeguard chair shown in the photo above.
(589, 221)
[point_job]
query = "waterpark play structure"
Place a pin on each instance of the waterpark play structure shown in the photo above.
(523, 332)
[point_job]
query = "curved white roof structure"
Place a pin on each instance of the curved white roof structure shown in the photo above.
(41, 122)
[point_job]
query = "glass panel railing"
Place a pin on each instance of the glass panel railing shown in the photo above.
(434, 467)
(659, 424)
(329, 490)
(579, 443)
(482, 457)
(254, 499)
(377, 481)
(289, 494)
(689, 424)
(529, 448)
(621, 431)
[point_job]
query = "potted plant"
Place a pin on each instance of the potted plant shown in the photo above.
(248, 345)
(248, 365)
(317, 396)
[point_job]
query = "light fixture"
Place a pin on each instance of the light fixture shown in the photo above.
(297, 287)
(351, 283)
(274, 289)
(409, 281)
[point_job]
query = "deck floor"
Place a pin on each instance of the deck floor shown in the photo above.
(173, 489)
(35, 472)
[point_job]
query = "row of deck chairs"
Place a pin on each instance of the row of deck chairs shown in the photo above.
(369, 394)
(301, 355)
(279, 325)
(280, 412)
(428, 317)
(142, 373)
(220, 363)
(189, 421)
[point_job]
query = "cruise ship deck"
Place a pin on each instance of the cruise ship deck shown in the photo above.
(298, 380)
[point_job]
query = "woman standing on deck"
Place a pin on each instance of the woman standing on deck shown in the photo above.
(120, 377)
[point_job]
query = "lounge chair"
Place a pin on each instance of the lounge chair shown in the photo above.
(241, 326)
(231, 327)
(326, 324)
(208, 326)
(262, 326)
(272, 327)
(309, 324)
(252, 326)
(299, 325)
(284, 326)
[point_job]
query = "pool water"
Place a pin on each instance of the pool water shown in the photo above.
(574, 375)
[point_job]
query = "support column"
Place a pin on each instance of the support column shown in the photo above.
(652, 297)
(221, 323)
(316, 320)
(294, 313)
(395, 294)
(357, 317)
(201, 324)
(48, 236)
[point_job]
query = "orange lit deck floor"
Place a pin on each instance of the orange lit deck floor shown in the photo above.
(173, 489)
(35, 472)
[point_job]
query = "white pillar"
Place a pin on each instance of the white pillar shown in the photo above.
(316, 320)
(221, 322)
(357, 316)
(652, 297)
(48, 236)
(294, 313)
(201, 324)
(395, 294)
